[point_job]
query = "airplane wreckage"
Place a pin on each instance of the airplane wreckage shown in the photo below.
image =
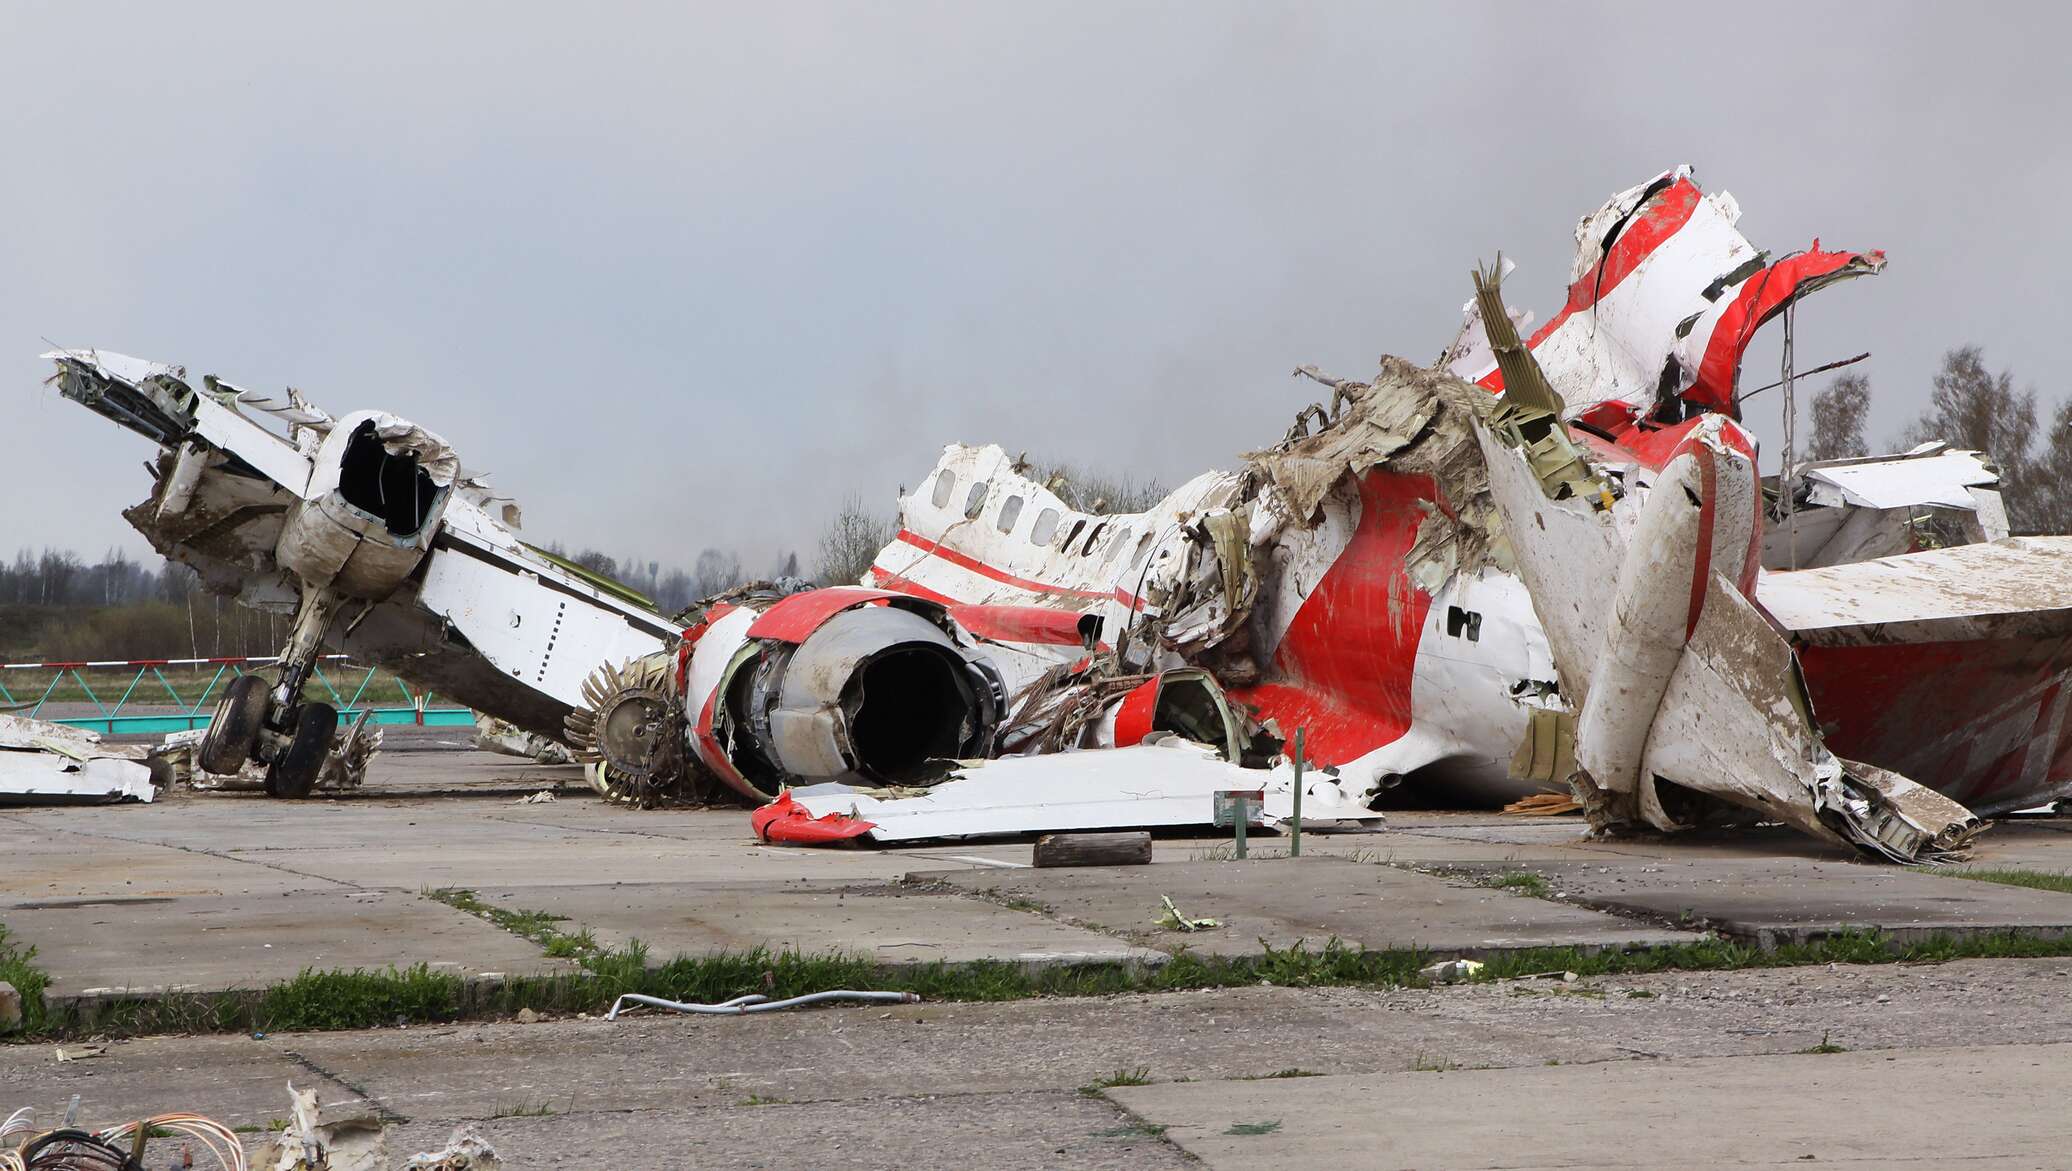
(1540, 562)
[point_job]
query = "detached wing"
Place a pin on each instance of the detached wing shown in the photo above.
(1950, 665)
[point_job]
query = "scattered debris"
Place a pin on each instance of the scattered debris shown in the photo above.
(542, 797)
(756, 1002)
(53, 764)
(467, 1150)
(344, 767)
(495, 735)
(1546, 804)
(1161, 781)
(1451, 971)
(1173, 920)
(358, 1142)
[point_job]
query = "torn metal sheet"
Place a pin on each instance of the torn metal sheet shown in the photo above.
(51, 764)
(1933, 475)
(1839, 511)
(1663, 299)
(1165, 782)
(494, 735)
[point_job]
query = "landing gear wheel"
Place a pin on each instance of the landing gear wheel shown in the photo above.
(296, 765)
(235, 729)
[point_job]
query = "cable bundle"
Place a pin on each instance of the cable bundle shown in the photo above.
(69, 1149)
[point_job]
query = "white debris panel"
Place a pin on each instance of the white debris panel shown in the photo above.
(1167, 782)
(51, 764)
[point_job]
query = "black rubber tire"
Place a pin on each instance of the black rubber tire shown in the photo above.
(295, 767)
(239, 717)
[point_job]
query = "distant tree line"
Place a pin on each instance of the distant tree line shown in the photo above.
(1970, 407)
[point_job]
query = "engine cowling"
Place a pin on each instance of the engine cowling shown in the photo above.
(378, 487)
(836, 684)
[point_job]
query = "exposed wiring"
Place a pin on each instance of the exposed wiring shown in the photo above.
(73, 1149)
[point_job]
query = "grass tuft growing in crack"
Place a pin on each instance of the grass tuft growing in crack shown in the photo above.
(540, 927)
(1522, 882)
(17, 968)
(2009, 876)
(1825, 1046)
(383, 998)
(1140, 1076)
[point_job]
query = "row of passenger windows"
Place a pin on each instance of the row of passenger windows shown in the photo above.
(1045, 528)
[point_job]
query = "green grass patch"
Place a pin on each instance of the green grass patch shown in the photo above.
(540, 927)
(1291, 1071)
(1523, 883)
(1825, 1046)
(1254, 1128)
(381, 998)
(2008, 876)
(1140, 1076)
(17, 968)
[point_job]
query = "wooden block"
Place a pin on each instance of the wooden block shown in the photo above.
(1124, 849)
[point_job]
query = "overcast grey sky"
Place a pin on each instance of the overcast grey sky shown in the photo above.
(684, 275)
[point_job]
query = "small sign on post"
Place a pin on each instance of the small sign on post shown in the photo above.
(1239, 808)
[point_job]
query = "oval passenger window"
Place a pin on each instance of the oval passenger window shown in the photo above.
(1143, 547)
(1045, 528)
(1010, 512)
(1121, 542)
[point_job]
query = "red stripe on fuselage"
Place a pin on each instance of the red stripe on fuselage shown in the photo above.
(1653, 222)
(1760, 296)
(1346, 666)
(1701, 561)
(967, 561)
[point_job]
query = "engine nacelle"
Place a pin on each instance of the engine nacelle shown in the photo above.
(837, 684)
(376, 493)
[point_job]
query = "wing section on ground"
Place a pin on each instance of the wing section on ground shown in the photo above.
(1948, 664)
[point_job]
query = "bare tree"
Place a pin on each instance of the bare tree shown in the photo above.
(2048, 502)
(1839, 411)
(1097, 492)
(675, 591)
(851, 542)
(598, 563)
(1972, 407)
(716, 571)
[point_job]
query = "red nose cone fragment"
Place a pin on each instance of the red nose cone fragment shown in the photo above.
(785, 820)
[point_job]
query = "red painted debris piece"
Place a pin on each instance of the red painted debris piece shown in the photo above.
(785, 820)
(795, 617)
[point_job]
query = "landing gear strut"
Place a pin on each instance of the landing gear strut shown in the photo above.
(273, 725)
